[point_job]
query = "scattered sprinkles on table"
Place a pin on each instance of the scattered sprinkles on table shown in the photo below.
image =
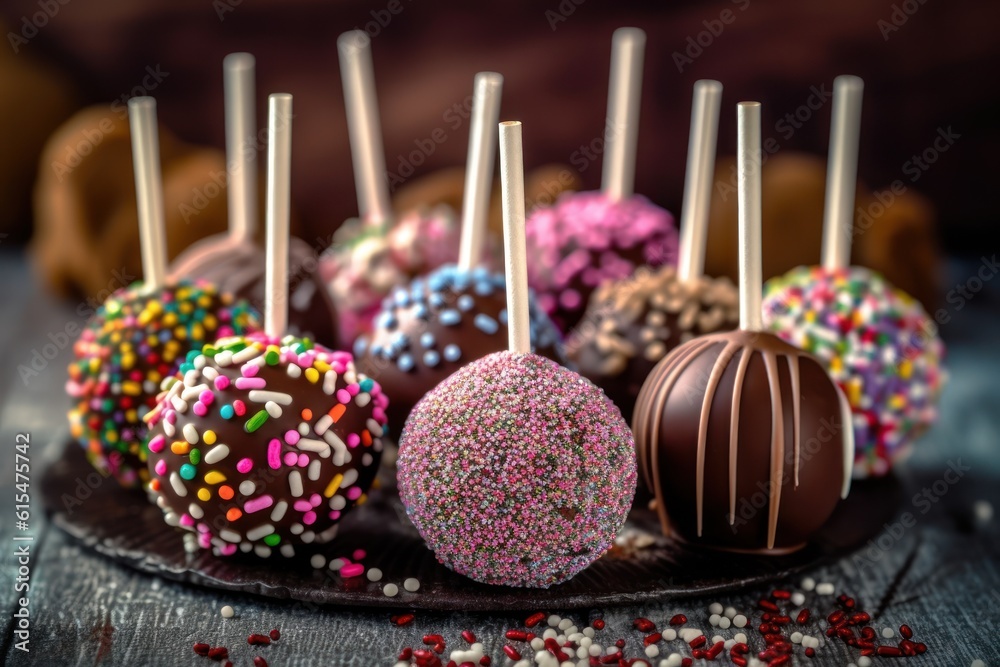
(261, 444)
(878, 344)
(586, 239)
(517, 471)
(134, 341)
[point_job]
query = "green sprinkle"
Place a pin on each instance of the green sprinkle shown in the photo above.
(195, 456)
(256, 421)
(272, 358)
(272, 540)
(188, 471)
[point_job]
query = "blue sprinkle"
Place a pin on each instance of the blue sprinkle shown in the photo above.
(360, 345)
(226, 411)
(466, 302)
(432, 358)
(427, 339)
(386, 320)
(452, 352)
(483, 287)
(421, 312)
(436, 299)
(480, 273)
(437, 281)
(405, 363)
(486, 324)
(451, 317)
(402, 297)
(503, 316)
(399, 340)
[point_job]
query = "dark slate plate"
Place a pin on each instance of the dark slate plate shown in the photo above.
(125, 527)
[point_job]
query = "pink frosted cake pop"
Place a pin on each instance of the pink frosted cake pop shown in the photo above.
(517, 471)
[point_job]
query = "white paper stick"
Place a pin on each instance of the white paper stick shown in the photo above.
(698, 180)
(279, 162)
(622, 127)
(516, 266)
(364, 127)
(148, 190)
(479, 167)
(241, 154)
(842, 171)
(748, 169)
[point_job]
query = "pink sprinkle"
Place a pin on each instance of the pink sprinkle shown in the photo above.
(354, 492)
(206, 397)
(352, 570)
(239, 407)
(199, 409)
(378, 414)
(250, 383)
(156, 444)
(306, 359)
(303, 460)
(246, 465)
(315, 499)
(257, 504)
(187, 520)
(227, 549)
(309, 518)
(249, 371)
(359, 554)
(353, 440)
(338, 367)
(291, 436)
(221, 382)
(161, 466)
(274, 454)
(171, 416)
(302, 505)
(353, 389)
(291, 458)
(343, 396)
(335, 514)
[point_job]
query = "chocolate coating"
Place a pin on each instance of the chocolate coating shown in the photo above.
(239, 269)
(429, 329)
(745, 442)
(631, 324)
(262, 444)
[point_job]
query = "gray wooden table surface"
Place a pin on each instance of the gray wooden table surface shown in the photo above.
(941, 576)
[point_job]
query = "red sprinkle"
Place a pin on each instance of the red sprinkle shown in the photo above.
(534, 619)
(860, 617)
(620, 643)
(868, 633)
(714, 652)
(430, 640)
(485, 661)
(699, 654)
(219, 653)
(517, 635)
(598, 623)
(906, 631)
(780, 660)
(740, 648)
(439, 648)
(781, 594)
(889, 651)
(810, 652)
(201, 649)
(738, 661)
(698, 641)
(403, 619)
(259, 661)
(257, 640)
(767, 605)
(679, 619)
(405, 654)
(803, 617)
(468, 636)
(921, 647)
(511, 652)
(687, 662)
(781, 620)
(836, 617)
(275, 634)
(652, 639)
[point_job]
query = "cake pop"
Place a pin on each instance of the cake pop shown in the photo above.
(438, 323)
(515, 470)
(265, 442)
(233, 261)
(743, 438)
(141, 333)
(875, 340)
(588, 238)
(631, 324)
(377, 251)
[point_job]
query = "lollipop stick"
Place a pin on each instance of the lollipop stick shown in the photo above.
(621, 131)
(279, 159)
(479, 167)
(512, 187)
(748, 168)
(842, 171)
(148, 190)
(241, 127)
(363, 125)
(698, 181)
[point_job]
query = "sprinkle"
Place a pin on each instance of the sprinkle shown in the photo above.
(334, 484)
(245, 465)
(449, 317)
(214, 477)
(257, 504)
(259, 532)
(279, 510)
(452, 353)
(273, 409)
(177, 485)
(258, 396)
(250, 383)
(216, 454)
(228, 612)
(486, 324)
(190, 433)
(226, 492)
(390, 590)
(412, 585)
(295, 483)
(256, 421)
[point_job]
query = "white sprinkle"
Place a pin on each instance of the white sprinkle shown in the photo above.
(741, 637)
(209, 372)
(279, 510)
(808, 584)
(715, 608)
(564, 624)
(983, 511)
(366, 459)
(730, 613)
(374, 574)
(740, 621)
(168, 428)
(594, 650)
(674, 660)
(713, 620)
(589, 632)
(273, 409)
(227, 612)
(191, 378)
(294, 371)
(303, 429)
(550, 633)
(246, 354)
(978, 663)
(178, 484)
(191, 434)
(729, 643)
(362, 399)
(411, 585)
(262, 550)
(295, 483)
(687, 634)
(247, 487)
(338, 502)
(195, 511)
(888, 633)
(323, 424)
(553, 621)
(724, 623)
(310, 445)
(287, 550)
(796, 637)
(669, 634)
(261, 396)
(230, 536)
(216, 454)
(798, 599)
(825, 588)
(865, 661)
(180, 405)
(313, 473)
(223, 359)
(336, 564)
(329, 382)
(296, 529)
(193, 392)
(390, 590)
(318, 561)
(260, 532)
(350, 477)
(716, 639)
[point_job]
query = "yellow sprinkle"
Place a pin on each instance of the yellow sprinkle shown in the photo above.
(312, 375)
(321, 366)
(131, 416)
(211, 322)
(836, 365)
(204, 494)
(95, 365)
(128, 361)
(810, 316)
(180, 447)
(362, 499)
(180, 333)
(905, 369)
(197, 331)
(214, 477)
(204, 301)
(208, 437)
(896, 402)
(854, 392)
(170, 319)
(333, 486)
(131, 388)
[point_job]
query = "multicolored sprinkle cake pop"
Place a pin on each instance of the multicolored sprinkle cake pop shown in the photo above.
(264, 443)
(742, 438)
(430, 328)
(377, 252)
(140, 335)
(588, 238)
(516, 471)
(631, 324)
(876, 341)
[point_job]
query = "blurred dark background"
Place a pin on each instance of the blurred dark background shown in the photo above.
(929, 68)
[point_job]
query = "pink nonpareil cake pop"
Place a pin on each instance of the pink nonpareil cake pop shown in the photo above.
(141, 334)
(876, 341)
(233, 261)
(264, 442)
(377, 251)
(515, 470)
(588, 238)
